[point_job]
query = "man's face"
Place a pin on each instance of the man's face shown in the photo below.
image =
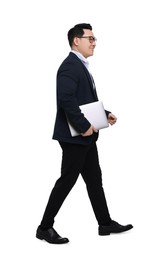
(86, 44)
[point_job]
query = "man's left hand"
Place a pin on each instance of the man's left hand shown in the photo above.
(111, 119)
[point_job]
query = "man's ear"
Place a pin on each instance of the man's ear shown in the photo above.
(76, 41)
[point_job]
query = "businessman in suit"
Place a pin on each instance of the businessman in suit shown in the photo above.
(75, 87)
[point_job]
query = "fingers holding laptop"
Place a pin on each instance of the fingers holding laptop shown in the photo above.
(90, 131)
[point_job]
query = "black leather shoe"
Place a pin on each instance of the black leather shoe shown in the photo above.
(51, 236)
(113, 227)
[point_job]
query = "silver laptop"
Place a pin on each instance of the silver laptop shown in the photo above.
(95, 114)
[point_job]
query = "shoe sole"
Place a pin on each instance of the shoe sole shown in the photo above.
(58, 243)
(108, 233)
(104, 234)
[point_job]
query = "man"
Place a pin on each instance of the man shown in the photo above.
(75, 87)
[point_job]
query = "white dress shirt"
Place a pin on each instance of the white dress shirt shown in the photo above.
(85, 62)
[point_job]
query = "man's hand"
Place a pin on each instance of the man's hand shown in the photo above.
(90, 131)
(111, 119)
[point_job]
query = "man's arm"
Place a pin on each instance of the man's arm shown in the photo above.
(67, 83)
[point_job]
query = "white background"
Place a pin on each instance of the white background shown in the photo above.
(126, 67)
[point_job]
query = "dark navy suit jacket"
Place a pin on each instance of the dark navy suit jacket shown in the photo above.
(74, 88)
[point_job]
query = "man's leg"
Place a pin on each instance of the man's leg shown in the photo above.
(72, 163)
(92, 176)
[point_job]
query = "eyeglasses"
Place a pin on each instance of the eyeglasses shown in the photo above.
(90, 38)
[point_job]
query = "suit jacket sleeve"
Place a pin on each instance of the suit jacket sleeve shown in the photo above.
(67, 84)
(107, 113)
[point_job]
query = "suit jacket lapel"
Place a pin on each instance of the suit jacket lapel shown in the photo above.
(91, 81)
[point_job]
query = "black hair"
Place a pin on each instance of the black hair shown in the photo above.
(77, 31)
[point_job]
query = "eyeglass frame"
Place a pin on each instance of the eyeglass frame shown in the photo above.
(90, 38)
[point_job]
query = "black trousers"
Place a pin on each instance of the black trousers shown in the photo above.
(78, 159)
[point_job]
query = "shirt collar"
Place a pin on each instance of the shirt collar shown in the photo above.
(82, 58)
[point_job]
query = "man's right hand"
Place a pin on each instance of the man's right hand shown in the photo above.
(90, 131)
